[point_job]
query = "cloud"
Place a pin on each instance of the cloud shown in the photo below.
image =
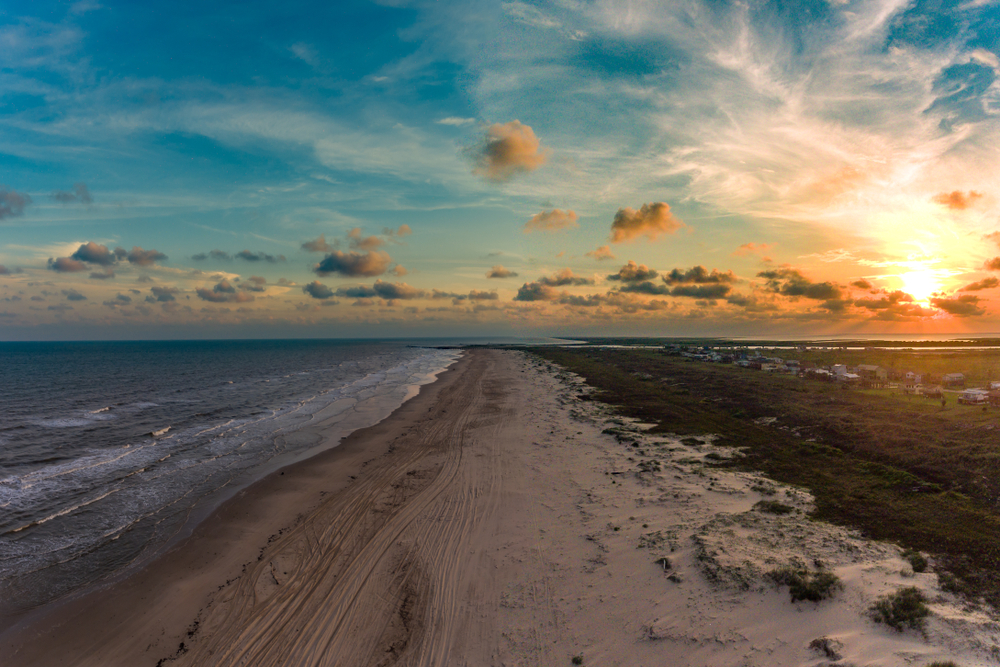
(751, 249)
(476, 295)
(790, 282)
(652, 220)
(498, 271)
(985, 283)
(4, 271)
(551, 221)
(699, 274)
(218, 255)
(95, 253)
(384, 290)
(536, 292)
(255, 284)
(104, 274)
(397, 290)
(710, 291)
(957, 200)
(319, 245)
(224, 292)
(73, 295)
(861, 283)
(119, 300)
(403, 230)
(456, 121)
(600, 254)
(399, 271)
(66, 265)
(992, 264)
(887, 300)
(256, 256)
(12, 202)
(162, 294)
(141, 257)
(358, 292)
(510, 149)
(564, 277)
(79, 193)
(966, 305)
(359, 242)
(634, 273)
(317, 290)
(372, 263)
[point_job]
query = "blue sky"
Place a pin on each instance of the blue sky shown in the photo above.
(833, 162)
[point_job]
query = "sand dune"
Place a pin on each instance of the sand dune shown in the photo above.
(497, 519)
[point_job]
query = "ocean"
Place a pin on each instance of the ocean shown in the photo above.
(110, 451)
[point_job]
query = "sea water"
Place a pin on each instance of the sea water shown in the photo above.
(109, 451)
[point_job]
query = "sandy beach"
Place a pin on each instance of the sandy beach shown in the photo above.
(498, 519)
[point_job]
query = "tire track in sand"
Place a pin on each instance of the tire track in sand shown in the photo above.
(376, 575)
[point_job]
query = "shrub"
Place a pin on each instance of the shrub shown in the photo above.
(948, 663)
(577, 660)
(904, 608)
(805, 585)
(773, 507)
(916, 559)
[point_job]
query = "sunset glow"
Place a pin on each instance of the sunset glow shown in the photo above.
(444, 168)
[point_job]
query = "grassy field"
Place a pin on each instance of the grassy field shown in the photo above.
(899, 469)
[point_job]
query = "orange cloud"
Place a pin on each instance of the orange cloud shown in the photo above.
(652, 220)
(957, 200)
(633, 273)
(966, 305)
(551, 221)
(604, 252)
(511, 148)
(499, 271)
(751, 249)
(364, 243)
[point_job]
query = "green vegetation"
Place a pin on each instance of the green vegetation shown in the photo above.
(904, 608)
(577, 660)
(901, 470)
(917, 561)
(805, 585)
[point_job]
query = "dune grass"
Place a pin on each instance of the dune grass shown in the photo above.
(900, 470)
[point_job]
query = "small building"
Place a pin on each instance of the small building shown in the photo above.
(873, 376)
(932, 392)
(993, 397)
(953, 379)
(839, 370)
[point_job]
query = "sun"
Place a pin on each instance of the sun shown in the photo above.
(921, 284)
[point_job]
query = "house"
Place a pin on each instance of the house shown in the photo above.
(953, 379)
(932, 392)
(993, 398)
(873, 376)
(973, 397)
(839, 370)
(994, 385)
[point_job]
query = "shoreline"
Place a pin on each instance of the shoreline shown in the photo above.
(501, 518)
(206, 548)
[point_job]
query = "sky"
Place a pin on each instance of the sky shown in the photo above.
(438, 168)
